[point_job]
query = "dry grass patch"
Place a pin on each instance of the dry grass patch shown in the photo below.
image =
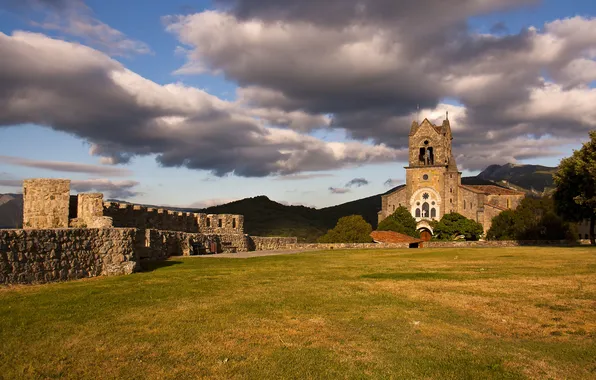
(476, 313)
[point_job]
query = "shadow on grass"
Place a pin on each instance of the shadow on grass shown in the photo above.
(150, 266)
(412, 276)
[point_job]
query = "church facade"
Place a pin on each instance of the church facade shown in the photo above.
(434, 184)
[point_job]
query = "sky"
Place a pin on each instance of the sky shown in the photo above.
(198, 103)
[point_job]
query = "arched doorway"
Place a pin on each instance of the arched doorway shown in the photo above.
(425, 234)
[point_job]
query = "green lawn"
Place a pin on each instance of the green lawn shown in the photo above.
(431, 313)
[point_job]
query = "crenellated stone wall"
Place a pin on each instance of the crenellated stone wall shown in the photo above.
(46, 203)
(135, 216)
(47, 255)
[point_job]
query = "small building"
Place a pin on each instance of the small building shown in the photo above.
(395, 237)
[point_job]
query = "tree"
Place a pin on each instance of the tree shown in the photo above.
(349, 229)
(453, 225)
(575, 181)
(534, 219)
(400, 221)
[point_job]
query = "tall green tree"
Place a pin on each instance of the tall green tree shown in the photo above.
(575, 181)
(400, 221)
(453, 225)
(349, 229)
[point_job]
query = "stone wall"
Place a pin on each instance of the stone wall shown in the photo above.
(46, 203)
(497, 243)
(351, 245)
(135, 216)
(260, 243)
(39, 256)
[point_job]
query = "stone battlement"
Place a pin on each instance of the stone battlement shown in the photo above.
(47, 204)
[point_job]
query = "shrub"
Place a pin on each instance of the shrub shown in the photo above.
(453, 225)
(400, 221)
(349, 229)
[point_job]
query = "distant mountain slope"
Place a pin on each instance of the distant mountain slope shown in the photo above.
(528, 177)
(11, 210)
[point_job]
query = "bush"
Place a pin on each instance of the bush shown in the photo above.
(349, 229)
(533, 219)
(400, 221)
(453, 225)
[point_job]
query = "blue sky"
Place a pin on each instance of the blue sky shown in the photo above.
(308, 183)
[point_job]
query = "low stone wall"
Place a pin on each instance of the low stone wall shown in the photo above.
(497, 243)
(351, 245)
(39, 256)
(261, 243)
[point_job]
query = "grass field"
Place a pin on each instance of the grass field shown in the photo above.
(434, 313)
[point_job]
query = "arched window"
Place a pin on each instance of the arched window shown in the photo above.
(208, 222)
(464, 204)
(508, 203)
(417, 213)
(393, 207)
(433, 212)
(425, 210)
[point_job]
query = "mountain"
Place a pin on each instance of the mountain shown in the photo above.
(532, 178)
(264, 217)
(11, 210)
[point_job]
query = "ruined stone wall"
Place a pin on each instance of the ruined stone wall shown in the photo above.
(220, 223)
(46, 203)
(135, 216)
(90, 212)
(39, 256)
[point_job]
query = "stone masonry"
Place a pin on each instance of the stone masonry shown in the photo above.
(45, 203)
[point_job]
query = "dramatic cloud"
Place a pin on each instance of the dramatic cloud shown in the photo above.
(366, 65)
(75, 18)
(71, 87)
(392, 182)
(357, 182)
(338, 190)
(111, 189)
(70, 167)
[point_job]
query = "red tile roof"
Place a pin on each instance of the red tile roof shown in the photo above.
(393, 237)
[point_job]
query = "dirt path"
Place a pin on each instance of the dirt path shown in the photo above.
(246, 255)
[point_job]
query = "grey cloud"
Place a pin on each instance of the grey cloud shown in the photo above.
(357, 182)
(392, 182)
(351, 59)
(11, 182)
(338, 190)
(112, 189)
(74, 18)
(70, 167)
(81, 91)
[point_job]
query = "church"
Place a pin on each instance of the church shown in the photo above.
(434, 184)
